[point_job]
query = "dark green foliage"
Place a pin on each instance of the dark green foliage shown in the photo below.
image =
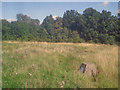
(69, 19)
(91, 26)
(48, 24)
(27, 19)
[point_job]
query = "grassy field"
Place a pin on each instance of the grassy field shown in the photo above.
(55, 65)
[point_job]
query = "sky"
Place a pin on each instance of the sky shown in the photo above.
(39, 10)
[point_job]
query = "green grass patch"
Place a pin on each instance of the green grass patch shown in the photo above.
(55, 65)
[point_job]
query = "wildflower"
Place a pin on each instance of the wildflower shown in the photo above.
(30, 74)
(16, 73)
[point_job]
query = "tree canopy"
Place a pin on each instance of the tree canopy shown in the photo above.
(91, 26)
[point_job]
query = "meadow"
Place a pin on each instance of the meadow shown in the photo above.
(55, 65)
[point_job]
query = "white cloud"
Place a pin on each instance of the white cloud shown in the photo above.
(105, 3)
(118, 11)
(10, 20)
(54, 17)
(28, 15)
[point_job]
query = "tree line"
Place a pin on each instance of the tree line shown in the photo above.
(91, 26)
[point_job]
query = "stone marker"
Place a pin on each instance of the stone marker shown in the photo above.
(89, 69)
